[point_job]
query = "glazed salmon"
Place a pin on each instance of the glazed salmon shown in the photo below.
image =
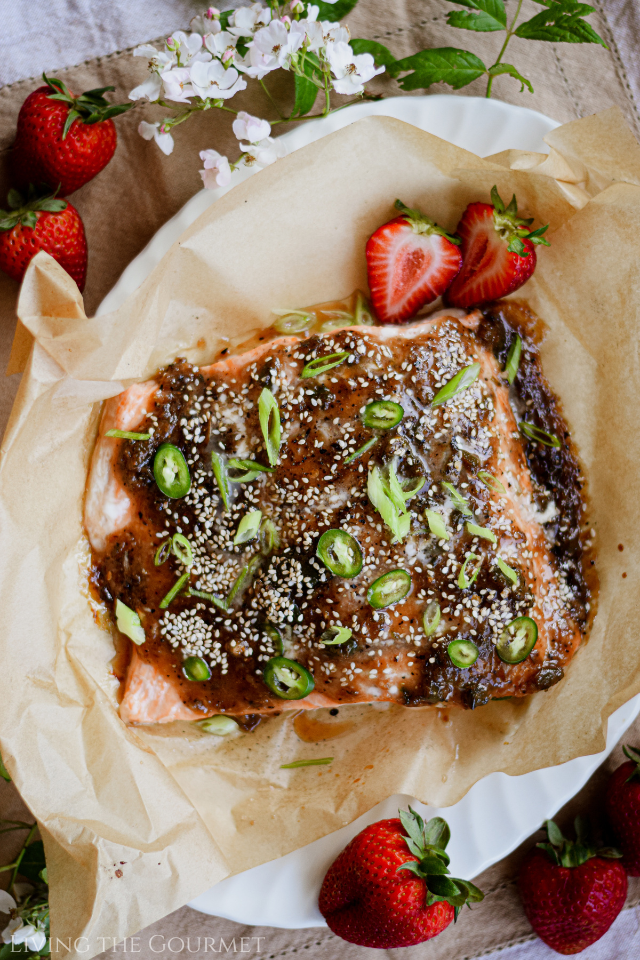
(485, 524)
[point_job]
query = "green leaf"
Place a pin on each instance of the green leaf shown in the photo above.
(490, 16)
(52, 205)
(29, 219)
(381, 56)
(114, 111)
(306, 93)
(14, 199)
(554, 833)
(409, 865)
(437, 833)
(335, 11)
(561, 22)
(440, 65)
(33, 861)
(433, 866)
(413, 826)
(446, 887)
(71, 116)
(500, 68)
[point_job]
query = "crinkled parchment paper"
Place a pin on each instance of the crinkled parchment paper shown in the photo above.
(138, 821)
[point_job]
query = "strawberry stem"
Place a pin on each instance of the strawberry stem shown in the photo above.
(573, 853)
(25, 212)
(90, 107)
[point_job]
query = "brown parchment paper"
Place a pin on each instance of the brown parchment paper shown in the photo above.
(139, 820)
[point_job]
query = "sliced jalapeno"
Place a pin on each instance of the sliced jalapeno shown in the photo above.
(340, 553)
(274, 635)
(389, 588)
(517, 640)
(382, 414)
(463, 653)
(171, 471)
(288, 679)
(195, 668)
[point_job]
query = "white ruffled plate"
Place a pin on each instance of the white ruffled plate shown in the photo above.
(499, 811)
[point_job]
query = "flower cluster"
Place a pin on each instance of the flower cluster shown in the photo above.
(30, 935)
(208, 66)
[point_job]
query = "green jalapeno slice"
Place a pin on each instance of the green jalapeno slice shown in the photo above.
(517, 640)
(463, 653)
(340, 553)
(382, 414)
(288, 679)
(389, 588)
(171, 471)
(195, 668)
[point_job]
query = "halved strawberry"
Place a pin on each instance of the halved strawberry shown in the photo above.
(410, 262)
(498, 252)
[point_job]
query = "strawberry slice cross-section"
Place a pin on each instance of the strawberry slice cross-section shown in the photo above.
(411, 261)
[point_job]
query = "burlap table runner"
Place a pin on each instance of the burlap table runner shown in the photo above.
(141, 189)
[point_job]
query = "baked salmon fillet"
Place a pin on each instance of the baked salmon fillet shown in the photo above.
(370, 514)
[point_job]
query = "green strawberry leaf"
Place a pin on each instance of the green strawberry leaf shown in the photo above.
(489, 16)
(433, 866)
(71, 116)
(52, 205)
(448, 65)
(381, 56)
(499, 68)
(555, 834)
(306, 93)
(561, 22)
(14, 199)
(437, 833)
(414, 826)
(29, 219)
(413, 866)
(335, 11)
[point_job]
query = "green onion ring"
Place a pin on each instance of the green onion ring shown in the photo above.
(456, 385)
(465, 581)
(431, 618)
(249, 470)
(163, 552)
(460, 503)
(513, 359)
(127, 435)
(321, 761)
(483, 532)
(363, 449)
(219, 468)
(437, 525)
(292, 321)
(182, 549)
(508, 571)
(491, 482)
(175, 590)
(248, 528)
(322, 364)
(532, 432)
(270, 424)
(334, 636)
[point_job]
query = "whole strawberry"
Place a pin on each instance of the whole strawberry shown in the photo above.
(498, 252)
(410, 262)
(623, 808)
(388, 888)
(571, 892)
(63, 141)
(42, 223)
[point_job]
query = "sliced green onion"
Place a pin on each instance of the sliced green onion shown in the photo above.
(321, 364)
(270, 424)
(321, 761)
(245, 575)
(219, 725)
(127, 435)
(513, 359)
(175, 590)
(463, 653)
(363, 449)
(288, 679)
(460, 503)
(248, 527)
(395, 517)
(292, 321)
(211, 597)
(464, 579)
(508, 571)
(249, 470)
(398, 493)
(182, 549)
(437, 525)
(219, 467)
(517, 640)
(540, 436)
(336, 635)
(163, 552)
(340, 318)
(491, 482)
(171, 472)
(276, 638)
(382, 414)
(483, 532)
(456, 385)
(269, 537)
(388, 589)
(362, 315)
(128, 622)
(431, 618)
(197, 669)
(340, 553)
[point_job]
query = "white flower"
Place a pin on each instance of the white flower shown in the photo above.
(246, 20)
(11, 928)
(207, 22)
(277, 43)
(33, 938)
(250, 128)
(217, 172)
(187, 46)
(219, 43)
(351, 71)
(7, 903)
(213, 80)
(177, 84)
(153, 131)
(334, 33)
(159, 61)
(255, 64)
(263, 153)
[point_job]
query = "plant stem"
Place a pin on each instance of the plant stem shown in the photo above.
(270, 98)
(327, 94)
(510, 32)
(21, 855)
